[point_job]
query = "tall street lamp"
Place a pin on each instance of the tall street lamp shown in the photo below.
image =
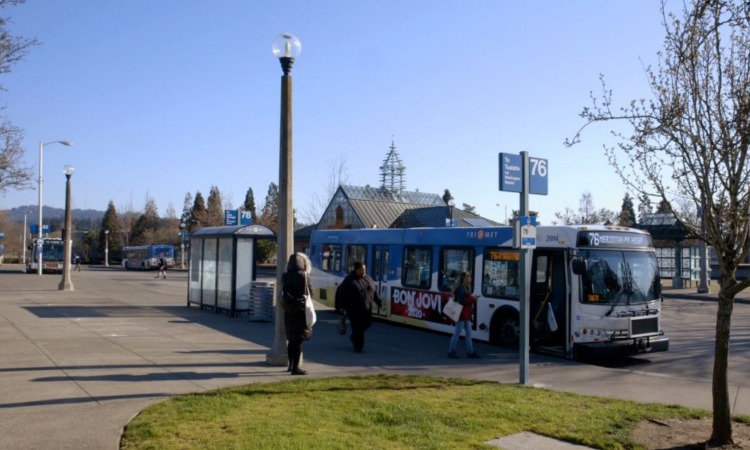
(286, 47)
(66, 284)
(25, 213)
(182, 245)
(39, 231)
(106, 248)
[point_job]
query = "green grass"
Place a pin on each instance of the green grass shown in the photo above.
(386, 411)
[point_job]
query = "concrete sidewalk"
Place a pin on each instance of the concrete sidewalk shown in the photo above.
(77, 366)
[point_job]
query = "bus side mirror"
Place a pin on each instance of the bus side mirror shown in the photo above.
(579, 266)
(657, 288)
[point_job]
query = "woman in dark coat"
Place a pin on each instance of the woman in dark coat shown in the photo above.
(294, 284)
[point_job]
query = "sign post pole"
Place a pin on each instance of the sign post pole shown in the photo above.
(525, 262)
(525, 175)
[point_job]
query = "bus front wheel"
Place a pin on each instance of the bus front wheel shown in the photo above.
(506, 330)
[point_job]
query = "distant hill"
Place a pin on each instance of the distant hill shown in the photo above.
(82, 215)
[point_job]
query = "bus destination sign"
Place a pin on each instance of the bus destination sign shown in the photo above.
(617, 239)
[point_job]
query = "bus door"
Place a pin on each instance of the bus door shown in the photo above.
(381, 256)
(548, 310)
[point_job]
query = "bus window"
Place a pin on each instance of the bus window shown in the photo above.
(380, 261)
(500, 273)
(355, 253)
(453, 261)
(417, 267)
(331, 258)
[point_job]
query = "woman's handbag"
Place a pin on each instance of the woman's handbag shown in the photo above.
(310, 316)
(453, 310)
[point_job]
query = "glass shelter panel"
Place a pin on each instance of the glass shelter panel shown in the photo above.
(209, 272)
(244, 275)
(196, 268)
(224, 274)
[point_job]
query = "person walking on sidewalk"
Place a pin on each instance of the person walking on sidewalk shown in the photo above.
(295, 282)
(355, 296)
(77, 260)
(462, 294)
(162, 268)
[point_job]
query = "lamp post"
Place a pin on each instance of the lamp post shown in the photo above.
(66, 284)
(39, 231)
(286, 47)
(25, 213)
(106, 248)
(182, 245)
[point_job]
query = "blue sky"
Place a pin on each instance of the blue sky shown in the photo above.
(166, 97)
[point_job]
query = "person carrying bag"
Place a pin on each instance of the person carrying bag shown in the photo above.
(295, 289)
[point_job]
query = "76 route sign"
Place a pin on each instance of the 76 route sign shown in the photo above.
(511, 174)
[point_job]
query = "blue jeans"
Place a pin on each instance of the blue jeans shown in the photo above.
(466, 325)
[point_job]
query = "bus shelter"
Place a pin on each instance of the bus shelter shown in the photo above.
(223, 266)
(678, 256)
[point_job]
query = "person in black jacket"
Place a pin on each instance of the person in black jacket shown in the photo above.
(295, 282)
(355, 295)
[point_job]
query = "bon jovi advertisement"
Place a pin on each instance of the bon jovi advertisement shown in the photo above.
(419, 304)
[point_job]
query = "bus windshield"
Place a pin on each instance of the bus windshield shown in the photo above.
(52, 252)
(619, 277)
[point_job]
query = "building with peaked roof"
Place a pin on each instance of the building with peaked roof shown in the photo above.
(388, 206)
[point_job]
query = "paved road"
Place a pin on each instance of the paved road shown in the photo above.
(76, 366)
(691, 325)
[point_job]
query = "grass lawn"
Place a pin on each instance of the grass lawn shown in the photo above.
(386, 411)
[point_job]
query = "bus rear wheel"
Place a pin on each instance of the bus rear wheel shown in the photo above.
(506, 330)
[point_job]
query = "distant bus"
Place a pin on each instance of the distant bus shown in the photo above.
(52, 256)
(146, 257)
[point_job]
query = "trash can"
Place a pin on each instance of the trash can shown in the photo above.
(261, 301)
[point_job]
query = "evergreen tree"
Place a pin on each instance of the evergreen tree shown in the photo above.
(269, 216)
(147, 225)
(111, 222)
(627, 214)
(249, 204)
(187, 205)
(215, 208)
(197, 213)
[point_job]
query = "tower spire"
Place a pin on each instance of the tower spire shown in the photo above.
(392, 172)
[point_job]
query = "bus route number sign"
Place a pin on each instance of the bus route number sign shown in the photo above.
(511, 174)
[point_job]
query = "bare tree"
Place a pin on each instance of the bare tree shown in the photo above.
(14, 174)
(586, 213)
(338, 174)
(691, 140)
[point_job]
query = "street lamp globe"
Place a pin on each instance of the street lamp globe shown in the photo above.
(68, 170)
(286, 45)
